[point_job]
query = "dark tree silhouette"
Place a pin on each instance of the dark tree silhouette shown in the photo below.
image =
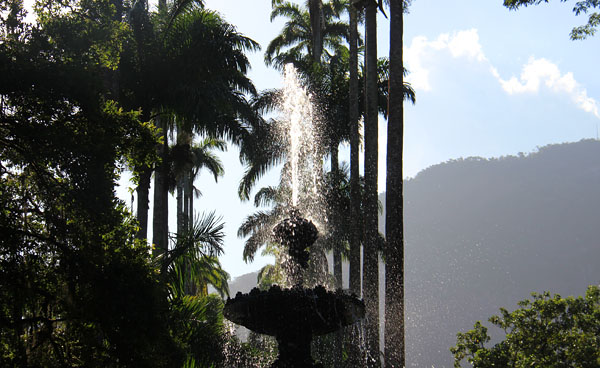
(394, 352)
(371, 251)
(581, 7)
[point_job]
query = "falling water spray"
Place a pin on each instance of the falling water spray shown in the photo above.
(298, 127)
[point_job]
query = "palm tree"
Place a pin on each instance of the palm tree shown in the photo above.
(203, 157)
(196, 321)
(180, 160)
(370, 259)
(186, 160)
(160, 229)
(298, 43)
(394, 347)
(372, 246)
(138, 59)
(355, 197)
(213, 54)
(193, 66)
(332, 84)
(353, 115)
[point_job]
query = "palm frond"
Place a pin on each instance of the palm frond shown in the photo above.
(288, 10)
(383, 75)
(203, 239)
(208, 160)
(337, 30)
(291, 37)
(179, 6)
(254, 172)
(266, 196)
(193, 258)
(199, 322)
(252, 245)
(258, 227)
(254, 223)
(267, 101)
(205, 61)
(209, 270)
(259, 152)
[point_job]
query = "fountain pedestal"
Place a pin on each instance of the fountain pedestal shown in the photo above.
(294, 351)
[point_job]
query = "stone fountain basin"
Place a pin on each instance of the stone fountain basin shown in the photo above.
(278, 311)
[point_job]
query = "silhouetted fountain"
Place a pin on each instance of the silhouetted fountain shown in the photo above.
(297, 314)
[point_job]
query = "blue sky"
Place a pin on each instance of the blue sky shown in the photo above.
(490, 82)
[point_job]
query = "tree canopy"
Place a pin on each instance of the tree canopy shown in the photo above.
(76, 287)
(581, 7)
(547, 331)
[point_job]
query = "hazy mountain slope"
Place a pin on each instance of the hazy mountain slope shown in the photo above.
(243, 283)
(481, 234)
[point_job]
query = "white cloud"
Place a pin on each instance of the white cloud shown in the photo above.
(419, 75)
(466, 43)
(459, 44)
(536, 74)
(541, 72)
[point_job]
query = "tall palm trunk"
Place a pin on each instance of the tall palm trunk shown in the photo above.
(189, 199)
(315, 9)
(394, 220)
(355, 235)
(184, 140)
(192, 288)
(337, 251)
(186, 187)
(354, 164)
(143, 200)
(187, 218)
(180, 178)
(370, 259)
(143, 195)
(180, 211)
(160, 226)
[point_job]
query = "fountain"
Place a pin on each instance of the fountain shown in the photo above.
(294, 315)
(297, 314)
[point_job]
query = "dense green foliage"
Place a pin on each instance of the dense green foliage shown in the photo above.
(76, 287)
(547, 331)
(581, 7)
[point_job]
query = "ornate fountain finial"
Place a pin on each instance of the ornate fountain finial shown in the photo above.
(297, 234)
